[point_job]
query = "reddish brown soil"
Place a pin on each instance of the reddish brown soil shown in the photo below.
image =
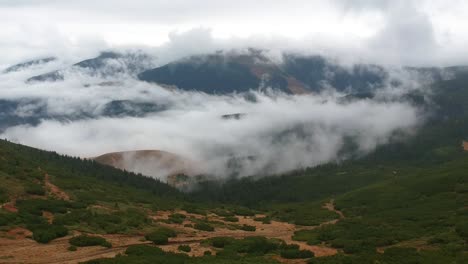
(54, 190)
(465, 145)
(330, 206)
(49, 216)
(10, 206)
(19, 233)
(296, 86)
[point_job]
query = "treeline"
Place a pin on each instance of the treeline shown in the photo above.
(18, 158)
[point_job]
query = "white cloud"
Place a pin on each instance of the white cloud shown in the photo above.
(410, 32)
(280, 132)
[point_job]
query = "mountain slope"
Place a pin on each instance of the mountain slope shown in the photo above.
(107, 64)
(155, 163)
(27, 64)
(224, 73)
(220, 73)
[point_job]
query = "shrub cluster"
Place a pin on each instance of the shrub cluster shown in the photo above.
(184, 248)
(204, 227)
(161, 235)
(293, 252)
(87, 241)
(45, 233)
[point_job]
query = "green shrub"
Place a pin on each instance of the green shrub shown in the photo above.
(264, 220)
(161, 235)
(222, 212)
(295, 253)
(192, 209)
(248, 228)
(166, 231)
(87, 241)
(462, 230)
(401, 255)
(72, 248)
(36, 206)
(3, 195)
(184, 248)
(35, 189)
(7, 218)
(231, 219)
(46, 233)
(221, 242)
(204, 227)
(157, 238)
(243, 211)
(176, 218)
(207, 253)
(253, 245)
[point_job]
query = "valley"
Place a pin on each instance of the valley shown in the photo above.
(232, 157)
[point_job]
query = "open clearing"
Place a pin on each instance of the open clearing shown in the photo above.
(16, 246)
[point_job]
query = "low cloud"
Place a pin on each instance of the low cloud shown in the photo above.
(275, 133)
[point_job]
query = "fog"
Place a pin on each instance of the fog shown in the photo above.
(275, 132)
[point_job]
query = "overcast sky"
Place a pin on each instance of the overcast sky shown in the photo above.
(389, 31)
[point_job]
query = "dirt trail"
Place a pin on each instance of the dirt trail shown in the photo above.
(330, 206)
(23, 250)
(54, 190)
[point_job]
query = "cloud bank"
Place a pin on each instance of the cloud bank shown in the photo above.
(275, 132)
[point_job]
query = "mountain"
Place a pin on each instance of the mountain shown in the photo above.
(27, 64)
(155, 163)
(223, 73)
(107, 64)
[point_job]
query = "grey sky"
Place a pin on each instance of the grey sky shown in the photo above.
(394, 32)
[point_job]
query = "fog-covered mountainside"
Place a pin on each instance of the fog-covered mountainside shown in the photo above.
(27, 64)
(154, 163)
(108, 64)
(225, 72)
(15, 112)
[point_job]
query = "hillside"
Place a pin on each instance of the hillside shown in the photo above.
(52, 203)
(107, 64)
(27, 64)
(225, 72)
